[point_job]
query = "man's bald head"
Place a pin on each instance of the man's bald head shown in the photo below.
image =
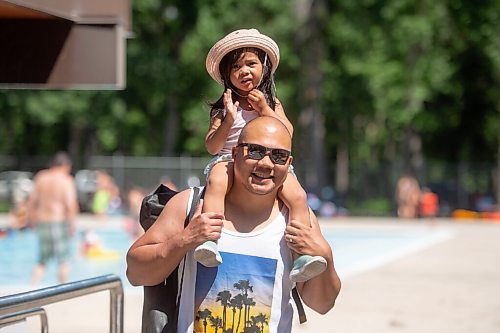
(266, 126)
(259, 174)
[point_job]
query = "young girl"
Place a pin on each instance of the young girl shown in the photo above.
(244, 62)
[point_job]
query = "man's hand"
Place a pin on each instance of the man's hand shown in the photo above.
(320, 292)
(203, 227)
(307, 240)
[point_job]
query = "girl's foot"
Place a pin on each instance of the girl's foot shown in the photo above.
(306, 267)
(208, 255)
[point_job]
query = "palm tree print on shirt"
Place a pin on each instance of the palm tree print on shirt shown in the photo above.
(235, 297)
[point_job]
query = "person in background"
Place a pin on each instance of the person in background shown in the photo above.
(52, 208)
(134, 198)
(407, 196)
(107, 197)
(167, 181)
(428, 204)
(18, 215)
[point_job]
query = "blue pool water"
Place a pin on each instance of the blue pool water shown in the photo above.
(355, 250)
(19, 253)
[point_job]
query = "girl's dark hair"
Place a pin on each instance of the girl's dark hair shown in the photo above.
(266, 84)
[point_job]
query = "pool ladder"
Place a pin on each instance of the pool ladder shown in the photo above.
(16, 308)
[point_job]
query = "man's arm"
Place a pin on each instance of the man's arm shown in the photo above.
(320, 292)
(32, 203)
(155, 254)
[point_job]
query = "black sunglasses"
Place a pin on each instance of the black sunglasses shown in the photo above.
(257, 152)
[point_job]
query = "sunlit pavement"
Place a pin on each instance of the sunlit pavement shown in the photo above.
(451, 286)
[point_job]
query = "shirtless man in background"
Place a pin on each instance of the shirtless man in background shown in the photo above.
(52, 207)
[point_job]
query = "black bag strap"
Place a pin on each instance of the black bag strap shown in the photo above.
(300, 306)
(195, 201)
(198, 193)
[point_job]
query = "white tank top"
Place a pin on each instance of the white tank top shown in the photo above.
(249, 283)
(242, 117)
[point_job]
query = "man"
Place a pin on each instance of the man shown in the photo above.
(407, 196)
(251, 288)
(52, 207)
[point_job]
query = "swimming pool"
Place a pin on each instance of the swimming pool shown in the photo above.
(356, 249)
(362, 248)
(19, 253)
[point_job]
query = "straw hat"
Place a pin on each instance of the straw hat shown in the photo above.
(238, 39)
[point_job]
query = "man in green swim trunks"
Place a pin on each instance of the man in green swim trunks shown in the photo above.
(52, 207)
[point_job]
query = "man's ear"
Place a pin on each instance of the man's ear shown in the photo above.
(290, 160)
(233, 151)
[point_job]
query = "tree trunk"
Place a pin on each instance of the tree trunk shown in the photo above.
(171, 126)
(342, 169)
(496, 179)
(311, 120)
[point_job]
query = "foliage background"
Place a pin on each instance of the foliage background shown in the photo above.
(375, 88)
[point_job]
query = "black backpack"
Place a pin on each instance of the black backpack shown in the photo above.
(160, 311)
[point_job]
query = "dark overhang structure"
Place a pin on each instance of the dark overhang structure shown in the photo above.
(64, 44)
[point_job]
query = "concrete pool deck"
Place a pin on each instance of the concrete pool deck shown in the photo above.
(450, 286)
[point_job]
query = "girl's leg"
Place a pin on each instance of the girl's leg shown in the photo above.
(293, 195)
(218, 183)
(295, 198)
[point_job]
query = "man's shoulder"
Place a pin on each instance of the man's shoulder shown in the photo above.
(44, 176)
(42, 173)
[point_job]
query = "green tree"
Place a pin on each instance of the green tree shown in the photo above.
(372, 88)
(158, 81)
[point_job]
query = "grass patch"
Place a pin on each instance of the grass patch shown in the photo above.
(4, 207)
(370, 207)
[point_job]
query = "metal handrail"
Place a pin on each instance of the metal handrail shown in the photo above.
(37, 298)
(21, 316)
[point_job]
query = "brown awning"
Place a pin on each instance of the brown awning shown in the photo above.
(64, 44)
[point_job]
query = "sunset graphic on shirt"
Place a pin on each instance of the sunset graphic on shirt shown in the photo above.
(235, 297)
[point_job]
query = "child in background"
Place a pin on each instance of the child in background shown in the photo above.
(244, 62)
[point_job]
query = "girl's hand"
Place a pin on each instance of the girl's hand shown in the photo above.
(258, 102)
(231, 108)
